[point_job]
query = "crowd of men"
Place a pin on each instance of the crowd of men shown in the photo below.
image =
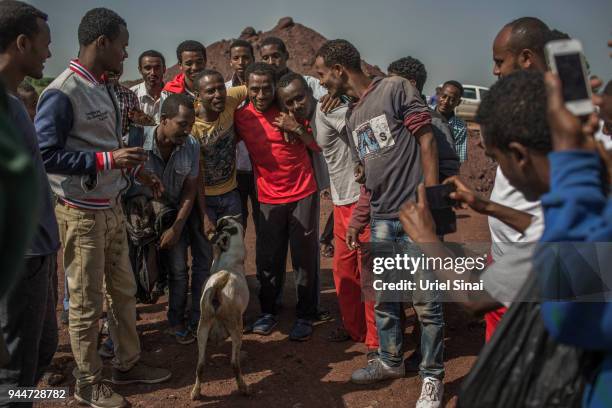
(271, 139)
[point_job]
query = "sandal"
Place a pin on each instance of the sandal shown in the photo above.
(338, 335)
(327, 250)
(184, 337)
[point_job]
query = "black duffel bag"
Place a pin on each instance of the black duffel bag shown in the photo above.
(523, 366)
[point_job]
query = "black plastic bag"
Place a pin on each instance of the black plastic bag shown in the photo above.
(523, 366)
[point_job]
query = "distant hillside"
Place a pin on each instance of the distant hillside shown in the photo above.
(302, 43)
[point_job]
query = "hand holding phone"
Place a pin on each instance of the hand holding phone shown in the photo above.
(565, 58)
(441, 207)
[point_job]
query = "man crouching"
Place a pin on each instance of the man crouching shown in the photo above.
(174, 158)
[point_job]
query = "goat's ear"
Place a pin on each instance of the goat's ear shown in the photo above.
(237, 218)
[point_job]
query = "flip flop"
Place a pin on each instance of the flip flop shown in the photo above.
(338, 335)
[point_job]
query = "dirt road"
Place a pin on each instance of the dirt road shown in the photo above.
(284, 373)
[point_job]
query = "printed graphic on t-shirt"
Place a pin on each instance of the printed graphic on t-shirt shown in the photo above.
(372, 136)
(219, 156)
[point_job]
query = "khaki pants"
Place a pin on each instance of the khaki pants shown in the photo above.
(96, 254)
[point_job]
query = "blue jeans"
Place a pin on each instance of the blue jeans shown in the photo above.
(201, 258)
(223, 205)
(426, 305)
(175, 261)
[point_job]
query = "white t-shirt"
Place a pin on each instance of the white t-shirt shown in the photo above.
(511, 250)
(505, 277)
(503, 193)
(330, 133)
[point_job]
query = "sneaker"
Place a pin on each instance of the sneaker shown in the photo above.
(52, 378)
(265, 324)
(140, 373)
(107, 349)
(375, 371)
(324, 315)
(301, 331)
(105, 331)
(99, 395)
(64, 318)
(431, 393)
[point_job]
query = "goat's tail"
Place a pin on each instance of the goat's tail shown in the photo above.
(221, 279)
(218, 333)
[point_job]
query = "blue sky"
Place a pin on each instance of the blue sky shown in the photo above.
(452, 37)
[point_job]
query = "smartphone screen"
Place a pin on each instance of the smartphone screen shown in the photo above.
(569, 67)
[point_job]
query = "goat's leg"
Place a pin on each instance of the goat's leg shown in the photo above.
(203, 330)
(235, 330)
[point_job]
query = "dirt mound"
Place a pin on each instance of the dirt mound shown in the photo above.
(302, 43)
(479, 170)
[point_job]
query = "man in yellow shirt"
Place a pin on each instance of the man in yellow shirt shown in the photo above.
(214, 129)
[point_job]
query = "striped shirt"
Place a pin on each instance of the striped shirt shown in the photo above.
(127, 101)
(460, 133)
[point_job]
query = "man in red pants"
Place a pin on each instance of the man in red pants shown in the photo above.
(296, 98)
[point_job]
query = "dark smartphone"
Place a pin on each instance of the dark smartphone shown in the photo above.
(441, 207)
(439, 196)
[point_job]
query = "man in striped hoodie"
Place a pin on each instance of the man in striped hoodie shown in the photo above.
(78, 125)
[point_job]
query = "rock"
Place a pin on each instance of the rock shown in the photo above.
(302, 43)
(284, 22)
(298, 405)
(248, 32)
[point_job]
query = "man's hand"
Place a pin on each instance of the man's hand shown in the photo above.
(140, 118)
(568, 131)
(352, 238)
(325, 194)
(465, 196)
(129, 157)
(152, 181)
(359, 173)
(286, 122)
(328, 103)
(208, 227)
(417, 220)
(170, 237)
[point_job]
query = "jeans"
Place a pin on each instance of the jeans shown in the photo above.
(174, 260)
(248, 190)
(223, 205)
(201, 254)
(426, 306)
(29, 326)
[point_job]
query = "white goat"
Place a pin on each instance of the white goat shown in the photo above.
(224, 299)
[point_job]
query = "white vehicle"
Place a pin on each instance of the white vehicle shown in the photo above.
(472, 95)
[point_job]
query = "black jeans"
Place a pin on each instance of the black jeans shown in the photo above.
(293, 225)
(247, 190)
(29, 325)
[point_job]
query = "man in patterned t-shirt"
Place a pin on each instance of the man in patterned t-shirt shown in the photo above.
(405, 154)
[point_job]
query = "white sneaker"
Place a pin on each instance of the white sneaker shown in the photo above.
(431, 393)
(376, 371)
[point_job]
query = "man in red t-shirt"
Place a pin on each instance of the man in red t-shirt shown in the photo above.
(289, 201)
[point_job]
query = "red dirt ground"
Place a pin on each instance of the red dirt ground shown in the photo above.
(287, 374)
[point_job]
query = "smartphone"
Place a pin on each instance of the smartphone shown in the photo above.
(438, 197)
(566, 59)
(441, 207)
